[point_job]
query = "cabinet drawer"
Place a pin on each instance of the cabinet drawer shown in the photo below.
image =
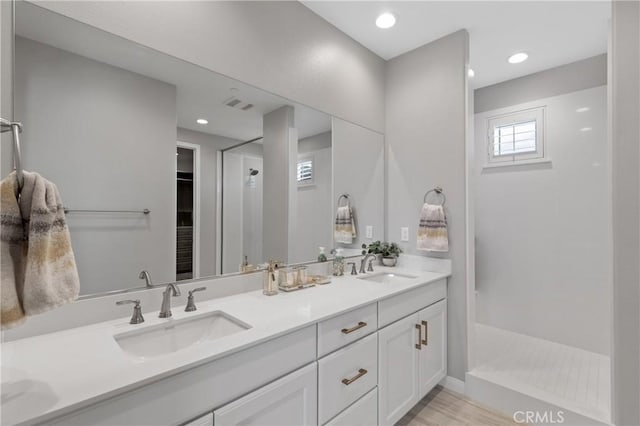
(357, 364)
(337, 332)
(364, 412)
(396, 307)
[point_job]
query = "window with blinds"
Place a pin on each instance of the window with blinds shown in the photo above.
(305, 171)
(516, 137)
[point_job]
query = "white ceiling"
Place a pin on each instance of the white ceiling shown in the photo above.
(553, 33)
(200, 92)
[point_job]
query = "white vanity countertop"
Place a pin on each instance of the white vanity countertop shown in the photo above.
(53, 374)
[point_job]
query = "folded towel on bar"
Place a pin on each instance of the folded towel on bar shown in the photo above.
(432, 232)
(41, 271)
(345, 230)
(12, 254)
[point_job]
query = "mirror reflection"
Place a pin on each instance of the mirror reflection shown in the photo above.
(170, 171)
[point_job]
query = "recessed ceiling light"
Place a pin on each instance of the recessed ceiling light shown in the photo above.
(517, 58)
(586, 129)
(471, 72)
(386, 20)
(202, 121)
(583, 109)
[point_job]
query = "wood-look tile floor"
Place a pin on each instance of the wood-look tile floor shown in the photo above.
(444, 408)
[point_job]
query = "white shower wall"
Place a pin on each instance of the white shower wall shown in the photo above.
(241, 209)
(543, 232)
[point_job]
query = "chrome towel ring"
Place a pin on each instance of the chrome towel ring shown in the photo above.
(440, 194)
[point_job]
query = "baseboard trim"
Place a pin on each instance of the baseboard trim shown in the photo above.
(453, 384)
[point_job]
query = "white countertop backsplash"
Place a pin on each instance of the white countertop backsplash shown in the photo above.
(74, 367)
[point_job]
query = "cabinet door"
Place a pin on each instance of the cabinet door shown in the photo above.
(292, 400)
(398, 371)
(433, 356)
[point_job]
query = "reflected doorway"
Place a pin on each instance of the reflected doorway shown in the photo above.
(187, 214)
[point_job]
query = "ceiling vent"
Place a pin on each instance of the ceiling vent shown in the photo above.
(236, 103)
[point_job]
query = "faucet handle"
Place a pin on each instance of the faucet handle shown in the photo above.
(191, 305)
(124, 302)
(137, 317)
(196, 289)
(354, 271)
(370, 268)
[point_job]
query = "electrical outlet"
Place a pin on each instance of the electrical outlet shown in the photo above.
(404, 234)
(369, 231)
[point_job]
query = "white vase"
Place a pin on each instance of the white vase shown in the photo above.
(389, 260)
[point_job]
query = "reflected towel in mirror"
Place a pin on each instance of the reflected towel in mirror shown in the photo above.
(345, 230)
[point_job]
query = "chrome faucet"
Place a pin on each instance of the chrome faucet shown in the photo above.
(171, 290)
(144, 275)
(364, 262)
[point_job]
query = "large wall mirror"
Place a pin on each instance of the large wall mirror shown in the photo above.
(173, 169)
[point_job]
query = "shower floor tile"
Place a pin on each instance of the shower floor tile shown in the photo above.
(568, 377)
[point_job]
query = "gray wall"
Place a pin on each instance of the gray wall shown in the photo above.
(584, 74)
(209, 147)
(358, 170)
(278, 186)
(625, 133)
(315, 218)
(6, 89)
(281, 47)
(107, 138)
(425, 134)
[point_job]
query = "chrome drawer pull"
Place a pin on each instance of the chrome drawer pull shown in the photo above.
(352, 329)
(361, 373)
(419, 328)
(426, 333)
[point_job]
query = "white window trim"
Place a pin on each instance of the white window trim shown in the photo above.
(309, 182)
(540, 155)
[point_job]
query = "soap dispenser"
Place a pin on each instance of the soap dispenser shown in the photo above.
(270, 279)
(322, 257)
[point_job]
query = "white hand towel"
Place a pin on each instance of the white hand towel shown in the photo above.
(345, 230)
(44, 268)
(432, 232)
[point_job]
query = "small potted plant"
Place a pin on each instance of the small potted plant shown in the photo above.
(387, 252)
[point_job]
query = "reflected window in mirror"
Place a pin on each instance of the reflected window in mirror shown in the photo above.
(305, 171)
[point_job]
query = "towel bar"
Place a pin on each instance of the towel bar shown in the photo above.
(68, 210)
(16, 128)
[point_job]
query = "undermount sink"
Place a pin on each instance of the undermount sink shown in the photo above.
(175, 335)
(387, 277)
